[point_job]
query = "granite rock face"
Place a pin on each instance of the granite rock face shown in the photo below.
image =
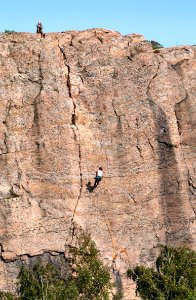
(74, 101)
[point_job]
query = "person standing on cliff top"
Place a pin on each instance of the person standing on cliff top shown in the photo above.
(98, 177)
(39, 27)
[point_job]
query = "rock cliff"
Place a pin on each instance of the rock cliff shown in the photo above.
(77, 100)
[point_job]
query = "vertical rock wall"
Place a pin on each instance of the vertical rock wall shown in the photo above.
(74, 101)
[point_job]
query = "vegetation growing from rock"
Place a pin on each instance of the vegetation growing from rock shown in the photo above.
(91, 277)
(9, 31)
(6, 296)
(173, 279)
(88, 278)
(156, 45)
(44, 282)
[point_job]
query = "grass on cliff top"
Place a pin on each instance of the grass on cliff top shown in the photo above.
(156, 45)
(9, 31)
(173, 279)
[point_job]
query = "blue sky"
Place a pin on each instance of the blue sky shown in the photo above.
(170, 22)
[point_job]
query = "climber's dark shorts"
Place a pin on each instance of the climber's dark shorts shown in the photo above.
(98, 178)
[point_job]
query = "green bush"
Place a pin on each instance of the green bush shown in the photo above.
(156, 45)
(9, 31)
(92, 278)
(6, 296)
(88, 278)
(173, 279)
(44, 282)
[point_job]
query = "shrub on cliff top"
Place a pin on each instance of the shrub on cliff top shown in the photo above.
(156, 45)
(9, 31)
(173, 279)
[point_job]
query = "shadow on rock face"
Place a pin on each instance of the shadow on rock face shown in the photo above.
(89, 187)
(171, 202)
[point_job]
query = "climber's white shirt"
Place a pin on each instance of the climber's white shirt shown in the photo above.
(100, 173)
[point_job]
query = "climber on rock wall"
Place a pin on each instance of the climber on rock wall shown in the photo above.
(98, 177)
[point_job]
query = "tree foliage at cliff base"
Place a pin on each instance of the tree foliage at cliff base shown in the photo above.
(173, 279)
(87, 279)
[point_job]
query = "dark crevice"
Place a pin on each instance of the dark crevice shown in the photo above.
(191, 184)
(177, 122)
(73, 119)
(25, 189)
(192, 191)
(34, 81)
(184, 99)
(115, 109)
(5, 143)
(82, 79)
(139, 149)
(37, 100)
(36, 103)
(150, 82)
(19, 171)
(74, 116)
(151, 145)
(1, 253)
(48, 256)
(117, 115)
(4, 153)
(69, 82)
(138, 140)
(99, 38)
(165, 143)
(115, 74)
(13, 193)
(68, 67)
(5, 122)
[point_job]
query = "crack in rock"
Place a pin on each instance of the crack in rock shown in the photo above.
(76, 131)
(138, 140)
(165, 143)
(116, 114)
(150, 82)
(5, 122)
